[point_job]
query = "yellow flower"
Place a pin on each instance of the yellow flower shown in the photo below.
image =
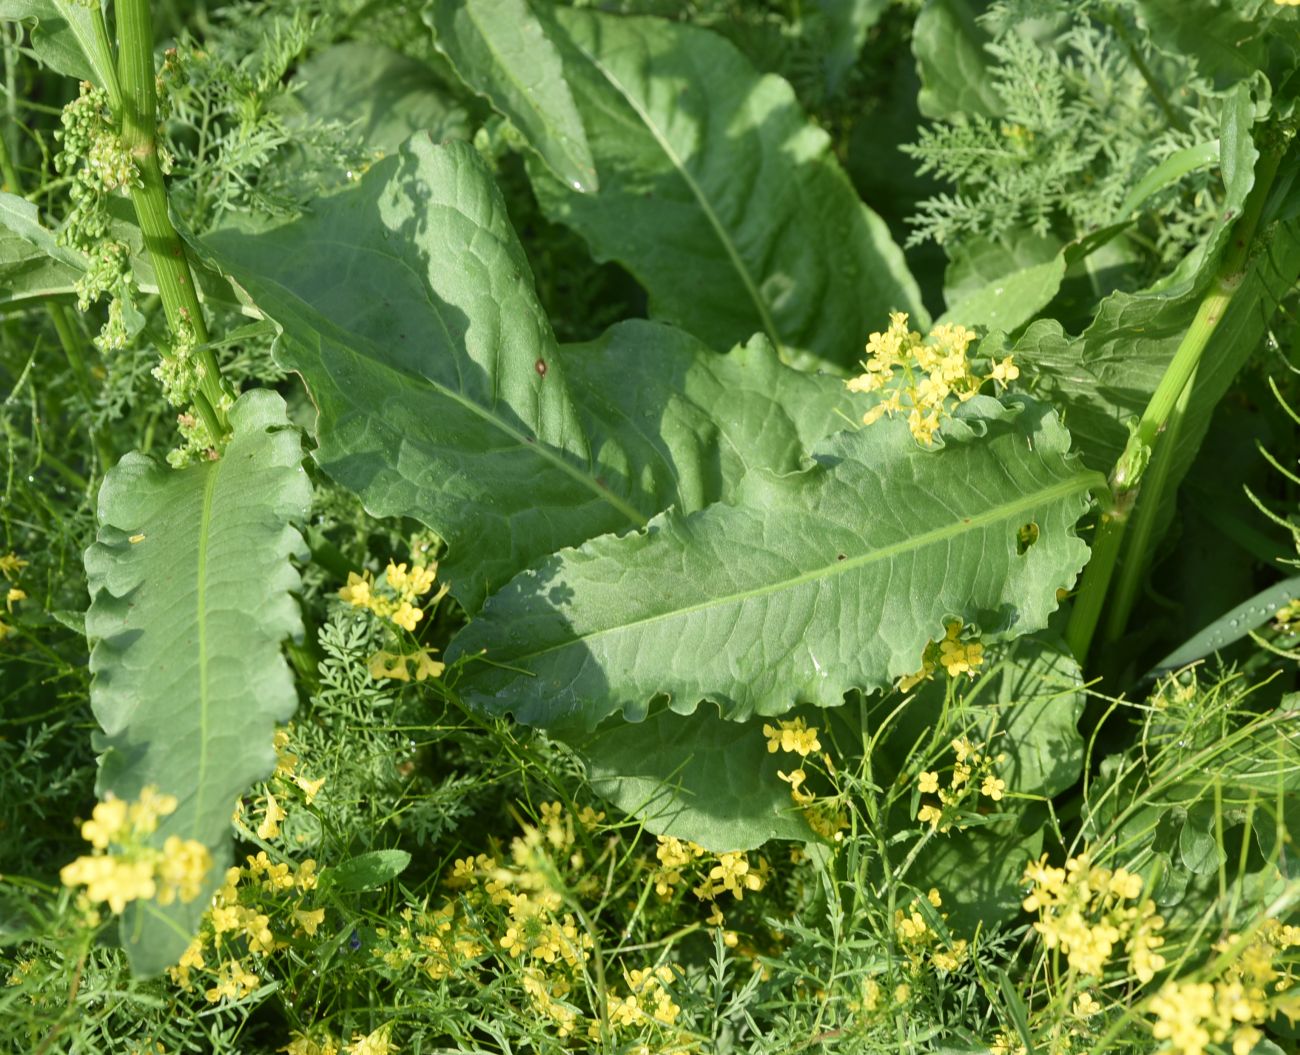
(116, 880)
(306, 1044)
(426, 666)
(145, 812)
(929, 815)
(928, 783)
(106, 821)
(234, 982)
(309, 921)
(184, 866)
(270, 826)
(798, 792)
(1006, 371)
(1085, 1006)
(11, 564)
(310, 788)
(993, 787)
(732, 873)
(13, 597)
(357, 590)
(407, 616)
(792, 737)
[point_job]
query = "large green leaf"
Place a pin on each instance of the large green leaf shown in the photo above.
(190, 583)
(31, 269)
(408, 308)
(62, 35)
(697, 777)
(953, 66)
(501, 50)
(41, 267)
(812, 584)
(719, 195)
(1227, 46)
(383, 94)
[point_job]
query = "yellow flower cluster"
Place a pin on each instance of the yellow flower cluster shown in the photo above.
(923, 377)
(1089, 912)
(259, 910)
(285, 783)
(795, 737)
(1287, 618)
(714, 875)
(394, 597)
(124, 867)
(1230, 1009)
(921, 943)
(972, 776)
(955, 654)
(509, 912)
(10, 565)
(322, 1042)
(647, 1000)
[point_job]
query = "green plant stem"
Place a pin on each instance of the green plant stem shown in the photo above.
(104, 45)
(139, 119)
(8, 171)
(71, 343)
(1126, 478)
(1144, 519)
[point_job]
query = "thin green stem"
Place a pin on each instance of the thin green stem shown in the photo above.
(1144, 519)
(71, 343)
(106, 61)
(1127, 476)
(166, 250)
(8, 171)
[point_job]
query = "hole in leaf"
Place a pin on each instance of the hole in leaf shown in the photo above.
(1026, 537)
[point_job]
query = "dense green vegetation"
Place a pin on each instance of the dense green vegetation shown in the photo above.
(648, 527)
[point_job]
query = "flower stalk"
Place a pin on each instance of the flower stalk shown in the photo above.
(1152, 438)
(138, 114)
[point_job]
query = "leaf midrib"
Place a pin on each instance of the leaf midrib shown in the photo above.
(201, 623)
(322, 325)
(1080, 482)
(522, 90)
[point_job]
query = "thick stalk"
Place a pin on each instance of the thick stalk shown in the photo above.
(1127, 475)
(1140, 539)
(139, 119)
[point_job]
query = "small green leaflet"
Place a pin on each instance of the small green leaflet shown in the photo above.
(191, 595)
(809, 585)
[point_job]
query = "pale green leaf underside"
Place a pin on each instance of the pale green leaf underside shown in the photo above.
(697, 777)
(500, 50)
(408, 308)
(24, 241)
(383, 95)
(62, 35)
(187, 623)
(951, 62)
(719, 195)
(812, 584)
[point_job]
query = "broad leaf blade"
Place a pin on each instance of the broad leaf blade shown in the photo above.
(951, 62)
(719, 195)
(384, 95)
(501, 51)
(190, 583)
(814, 583)
(697, 777)
(62, 35)
(443, 396)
